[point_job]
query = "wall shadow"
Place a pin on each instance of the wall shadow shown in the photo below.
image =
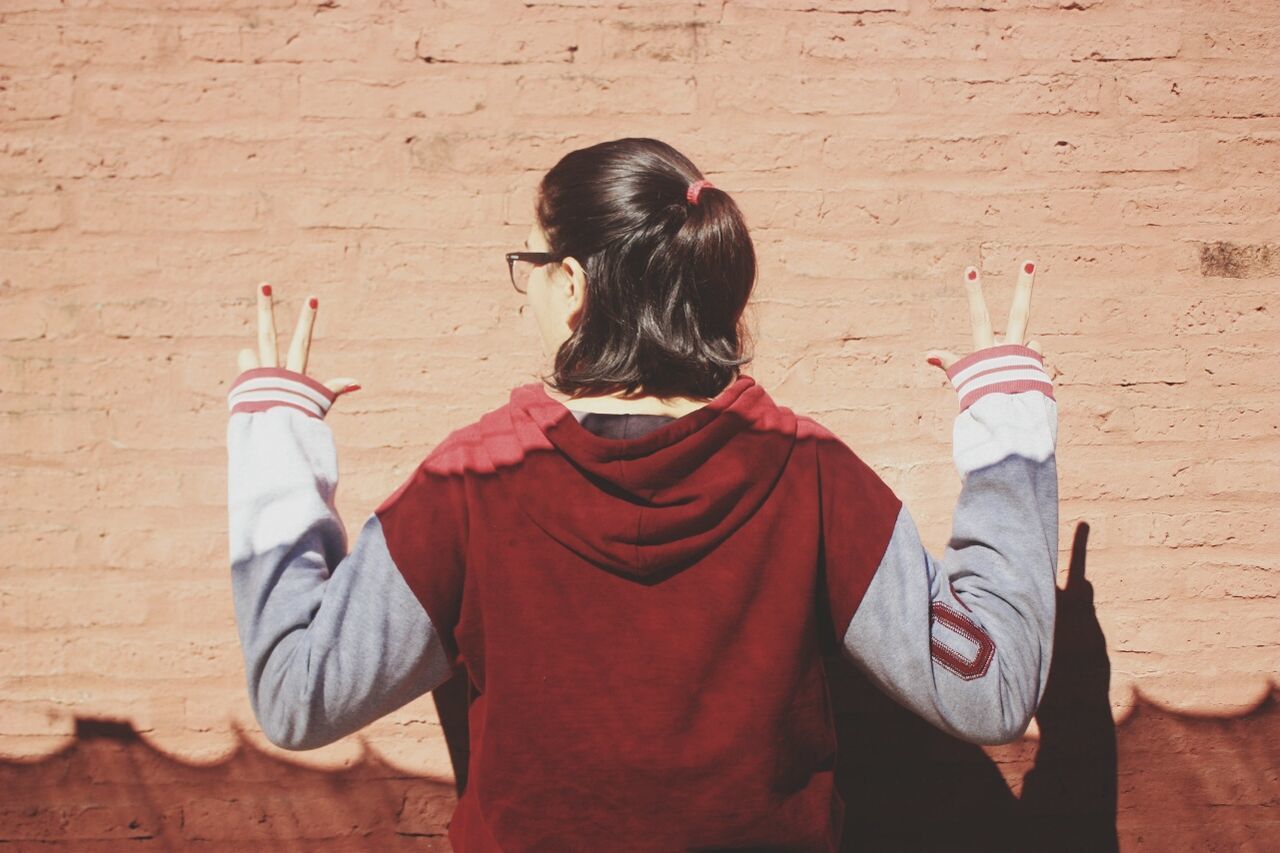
(909, 786)
(1193, 783)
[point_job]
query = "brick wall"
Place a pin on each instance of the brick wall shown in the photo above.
(158, 160)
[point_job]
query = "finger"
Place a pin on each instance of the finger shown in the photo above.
(1016, 329)
(301, 344)
(978, 317)
(342, 385)
(1035, 345)
(267, 354)
(247, 359)
(942, 358)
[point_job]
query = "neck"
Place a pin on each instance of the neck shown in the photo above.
(613, 405)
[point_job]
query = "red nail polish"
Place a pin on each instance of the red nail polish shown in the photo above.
(973, 274)
(314, 302)
(350, 388)
(266, 290)
(1030, 267)
(935, 361)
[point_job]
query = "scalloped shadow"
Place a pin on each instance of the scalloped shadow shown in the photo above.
(1190, 783)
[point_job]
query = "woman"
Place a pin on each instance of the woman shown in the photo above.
(641, 560)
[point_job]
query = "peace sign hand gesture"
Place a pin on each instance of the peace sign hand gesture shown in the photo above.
(1007, 366)
(983, 337)
(263, 383)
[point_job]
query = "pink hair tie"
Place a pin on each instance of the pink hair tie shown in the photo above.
(695, 188)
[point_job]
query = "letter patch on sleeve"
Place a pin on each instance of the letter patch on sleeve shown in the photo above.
(959, 643)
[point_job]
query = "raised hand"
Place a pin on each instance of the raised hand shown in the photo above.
(983, 337)
(299, 349)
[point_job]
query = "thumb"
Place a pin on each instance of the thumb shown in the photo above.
(941, 358)
(342, 385)
(1054, 372)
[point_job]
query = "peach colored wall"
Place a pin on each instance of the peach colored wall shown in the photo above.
(158, 159)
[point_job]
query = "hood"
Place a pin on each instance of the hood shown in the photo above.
(649, 506)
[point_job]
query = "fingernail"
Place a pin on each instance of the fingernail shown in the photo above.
(972, 274)
(935, 361)
(266, 290)
(314, 302)
(1029, 267)
(350, 388)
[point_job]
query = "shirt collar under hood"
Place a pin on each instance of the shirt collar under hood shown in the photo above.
(650, 506)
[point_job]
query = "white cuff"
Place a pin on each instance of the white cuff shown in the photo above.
(1002, 424)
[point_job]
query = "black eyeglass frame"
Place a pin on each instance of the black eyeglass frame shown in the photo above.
(535, 258)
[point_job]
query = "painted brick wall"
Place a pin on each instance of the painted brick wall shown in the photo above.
(158, 160)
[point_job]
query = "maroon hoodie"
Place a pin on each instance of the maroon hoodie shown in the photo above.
(639, 618)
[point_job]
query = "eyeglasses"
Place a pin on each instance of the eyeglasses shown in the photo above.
(521, 264)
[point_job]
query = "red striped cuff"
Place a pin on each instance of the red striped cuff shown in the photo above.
(261, 388)
(1003, 368)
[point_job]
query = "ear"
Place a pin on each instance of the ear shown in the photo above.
(577, 288)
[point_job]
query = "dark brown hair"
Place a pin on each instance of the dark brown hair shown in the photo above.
(667, 280)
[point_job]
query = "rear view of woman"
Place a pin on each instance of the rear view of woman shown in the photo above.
(640, 560)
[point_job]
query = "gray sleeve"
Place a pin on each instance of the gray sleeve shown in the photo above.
(332, 641)
(965, 640)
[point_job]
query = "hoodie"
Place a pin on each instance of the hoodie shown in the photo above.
(642, 603)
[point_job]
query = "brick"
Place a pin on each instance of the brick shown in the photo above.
(1228, 259)
(1233, 365)
(109, 821)
(543, 95)
(1130, 152)
(361, 95)
(48, 603)
(194, 5)
(887, 39)
(43, 315)
(152, 655)
(1027, 94)
(125, 212)
(288, 38)
(1253, 419)
(205, 265)
(915, 153)
(1174, 207)
(408, 209)
(1249, 155)
(335, 156)
(841, 6)
(38, 433)
(802, 94)
(130, 156)
(427, 812)
(1160, 93)
(48, 45)
(745, 38)
(34, 97)
(268, 818)
(1000, 210)
(214, 97)
(49, 267)
(1013, 5)
(24, 213)
(1236, 37)
(1255, 527)
(1094, 41)
(477, 41)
